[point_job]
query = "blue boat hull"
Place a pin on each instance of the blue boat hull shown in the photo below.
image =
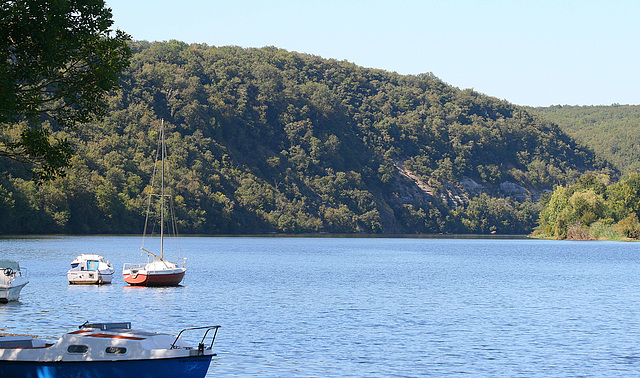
(196, 366)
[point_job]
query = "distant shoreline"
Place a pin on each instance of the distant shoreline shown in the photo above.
(317, 235)
(544, 237)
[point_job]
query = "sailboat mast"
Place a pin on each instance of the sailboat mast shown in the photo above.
(162, 194)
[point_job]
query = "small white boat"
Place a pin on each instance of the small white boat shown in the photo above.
(107, 350)
(12, 281)
(90, 269)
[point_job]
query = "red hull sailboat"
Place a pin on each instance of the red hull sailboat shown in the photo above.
(157, 271)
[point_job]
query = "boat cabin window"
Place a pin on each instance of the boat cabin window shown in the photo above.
(80, 349)
(92, 265)
(74, 265)
(116, 350)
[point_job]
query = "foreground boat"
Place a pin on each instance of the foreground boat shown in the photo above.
(90, 269)
(107, 350)
(157, 271)
(11, 281)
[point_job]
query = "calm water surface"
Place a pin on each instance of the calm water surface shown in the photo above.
(362, 307)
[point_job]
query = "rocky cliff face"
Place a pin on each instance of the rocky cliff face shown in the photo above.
(458, 193)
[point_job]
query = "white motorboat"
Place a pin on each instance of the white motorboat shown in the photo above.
(12, 281)
(90, 269)
(107, 350)
(157, 271)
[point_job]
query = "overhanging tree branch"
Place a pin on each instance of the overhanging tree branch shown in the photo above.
(57, 61)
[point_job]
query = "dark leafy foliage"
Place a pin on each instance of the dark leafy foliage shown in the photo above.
(58, 60)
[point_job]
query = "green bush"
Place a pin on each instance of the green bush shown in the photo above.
(604, 230)
(629, 226)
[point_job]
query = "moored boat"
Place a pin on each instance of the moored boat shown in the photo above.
(12, 281)
(90, 269)
(100, 350)
(157, 271)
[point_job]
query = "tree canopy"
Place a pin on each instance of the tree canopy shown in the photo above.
(613, 131)
(266, 140)
(58, 60)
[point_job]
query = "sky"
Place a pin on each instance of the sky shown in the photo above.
(536, 53)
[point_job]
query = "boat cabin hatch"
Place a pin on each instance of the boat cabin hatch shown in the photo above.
(86, 265)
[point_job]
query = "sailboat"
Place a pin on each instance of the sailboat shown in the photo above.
(157, 271)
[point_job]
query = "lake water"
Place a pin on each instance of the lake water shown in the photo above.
(362, 307)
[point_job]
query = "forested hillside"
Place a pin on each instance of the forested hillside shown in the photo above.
(613, 132)
(265, 140)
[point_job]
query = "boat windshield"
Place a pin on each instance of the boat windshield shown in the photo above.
(92, 265)
(4, 264)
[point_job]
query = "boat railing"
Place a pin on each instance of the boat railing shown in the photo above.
(133, 266)
(201, 345)
(182, 262)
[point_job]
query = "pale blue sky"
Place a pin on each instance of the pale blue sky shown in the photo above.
(535, 53)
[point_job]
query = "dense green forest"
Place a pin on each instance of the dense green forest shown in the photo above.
(265, 140)
(613, 132)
